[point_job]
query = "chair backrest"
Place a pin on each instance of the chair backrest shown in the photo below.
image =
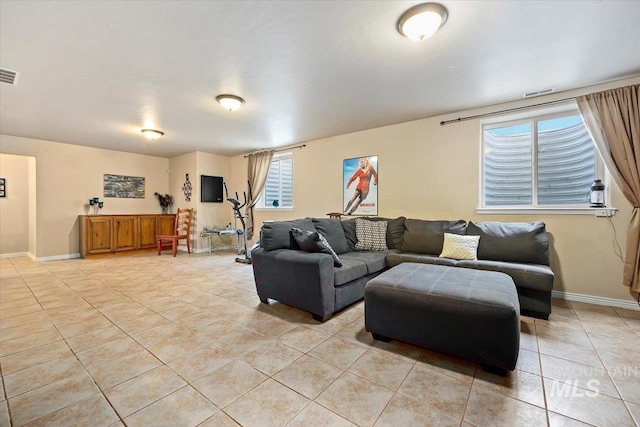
(183, 222)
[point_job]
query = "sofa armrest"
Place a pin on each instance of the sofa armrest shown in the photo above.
(299, 279)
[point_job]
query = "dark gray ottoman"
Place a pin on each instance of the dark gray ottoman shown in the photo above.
(472, 314)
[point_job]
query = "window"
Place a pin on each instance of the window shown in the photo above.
(278, 190)
(542, 161)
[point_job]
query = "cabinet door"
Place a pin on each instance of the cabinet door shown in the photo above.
(124, 233)
(99, 235)
(166, 225)
(147, 231)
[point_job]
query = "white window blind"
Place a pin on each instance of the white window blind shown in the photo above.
(278, 190)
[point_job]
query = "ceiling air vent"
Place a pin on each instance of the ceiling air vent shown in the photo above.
(9, 77)
(537, 93)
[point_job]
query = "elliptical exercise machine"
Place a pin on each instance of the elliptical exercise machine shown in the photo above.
(241, 233)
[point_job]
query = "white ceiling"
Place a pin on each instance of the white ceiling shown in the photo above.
(95, 73)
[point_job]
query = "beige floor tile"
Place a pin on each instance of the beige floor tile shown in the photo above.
(176, 347)
(338, 352)
(440, 391)
(180, 311)
(41, 375)
(237, 378)
(4, 414)
(159, 333)
(405, 411)
(308, 376)
(17, 311)
(22, 319)
(94, 411)
(451, 366)
(93, 339)
(355, 399)
(528, 361)
(517, 384)
(382, 368)
(138, 392)
(315, 415)
(331, 326)
(84, 327)
(269, 404)
(583, 376)
(220, 419)
(564, 350)
(627, 380)
(271, 357)
(200, 362)
(630, 314)
(557, 420)
(489, 408)
(184, 407)
(37, 403)
(303, 338)
(112, 373)
(635, 411)
(216, 330)
(108, 352)
(26, 329)
(29, 342)
(272, 328)
(583, 306)
(36, 356)
(143, 323)
(356, 334)
(585, 405)
(240, 342)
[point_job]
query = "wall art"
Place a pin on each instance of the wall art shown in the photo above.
(123, 186)
(360, 186)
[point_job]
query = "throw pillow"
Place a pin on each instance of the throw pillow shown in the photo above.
(372, 235)
(312, 241)
(456, 246)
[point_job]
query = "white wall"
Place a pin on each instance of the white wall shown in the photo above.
(431, 171)
(14, 208)
(68, 175)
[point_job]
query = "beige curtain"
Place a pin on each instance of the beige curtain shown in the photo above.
(613, 120)
(258, 171)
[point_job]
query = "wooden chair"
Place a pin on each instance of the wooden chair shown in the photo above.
(182, 230)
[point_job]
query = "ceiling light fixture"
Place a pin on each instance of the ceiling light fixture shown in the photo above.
(422, 21)
(230, 102)
(152, 133)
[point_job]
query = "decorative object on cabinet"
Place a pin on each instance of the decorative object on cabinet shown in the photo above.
(3, 190)
(97, 205)
(166, 201)
(123, 186)
(187, 189)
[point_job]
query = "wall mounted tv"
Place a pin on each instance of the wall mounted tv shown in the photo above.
(211, 189)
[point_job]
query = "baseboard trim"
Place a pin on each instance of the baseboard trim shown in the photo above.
(590, 299)
(57, 257)
(14, 255)
(215, 249)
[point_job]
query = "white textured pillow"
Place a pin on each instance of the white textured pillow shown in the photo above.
(371, 235)
(457, 246)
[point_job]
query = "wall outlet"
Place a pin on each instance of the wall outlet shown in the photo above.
(605, 212)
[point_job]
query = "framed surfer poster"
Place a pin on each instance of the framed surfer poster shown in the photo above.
(360, 186)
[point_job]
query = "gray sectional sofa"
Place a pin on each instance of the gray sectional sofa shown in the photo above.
(311, 282)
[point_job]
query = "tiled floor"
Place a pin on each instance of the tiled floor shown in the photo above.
(152, 341)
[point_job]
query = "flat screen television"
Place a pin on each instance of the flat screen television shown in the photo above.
(211, 189)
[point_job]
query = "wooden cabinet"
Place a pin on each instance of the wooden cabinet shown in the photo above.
(100, 234)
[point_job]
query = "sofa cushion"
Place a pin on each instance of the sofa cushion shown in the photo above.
(333, 232)
(531, 276)
(512, 241)
(456, 246)
(351, 269)
(395, 231)
(375, 261)
(426, 237)
(312, 241)
(277, 234)
(399, 258)
(372, 236)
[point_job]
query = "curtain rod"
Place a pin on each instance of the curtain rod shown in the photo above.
(509, 110)
(281, 149)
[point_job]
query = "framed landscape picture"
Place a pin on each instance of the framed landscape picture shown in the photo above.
(360, 186)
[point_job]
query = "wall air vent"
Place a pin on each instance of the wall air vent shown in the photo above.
(537, 93)
(9, 77)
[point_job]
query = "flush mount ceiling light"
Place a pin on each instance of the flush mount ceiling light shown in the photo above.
(152, 133)
(422, 21)
(230, 102)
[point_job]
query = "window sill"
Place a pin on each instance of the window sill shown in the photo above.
(547, 211)
(287, 209)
